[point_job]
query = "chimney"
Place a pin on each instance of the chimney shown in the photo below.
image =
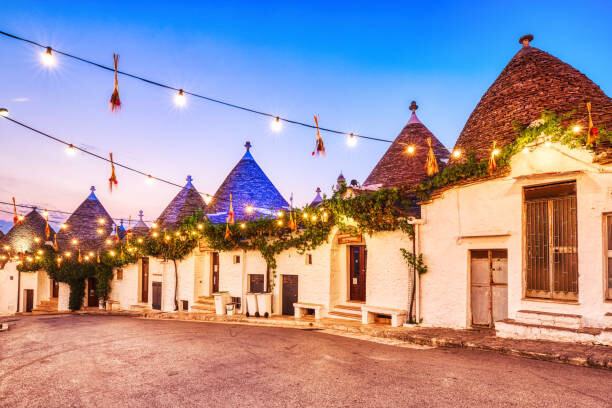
(525, 40)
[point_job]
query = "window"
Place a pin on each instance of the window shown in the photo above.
(236, 259)
(609, 255)
(120, 274)
(308, 259)
(551, 241)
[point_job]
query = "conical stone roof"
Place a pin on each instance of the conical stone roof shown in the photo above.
(317, 200)
(21, 238)
(248, 185)
(185, 204)
(532, 82)
(398, 166)
(140, 228)
(83, 225)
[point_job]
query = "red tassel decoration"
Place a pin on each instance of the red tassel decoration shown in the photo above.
(117, 239)
(319, 146)
(115, 102)
(113, 178)
(55, 247)
(129, 231)
(47, 229)
(230, 220)
(16, 218)
(492, 167)
(593, 132)
(431, 165)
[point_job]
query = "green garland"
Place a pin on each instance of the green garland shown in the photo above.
(386, 209)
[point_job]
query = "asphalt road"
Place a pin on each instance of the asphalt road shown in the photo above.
(62, 361)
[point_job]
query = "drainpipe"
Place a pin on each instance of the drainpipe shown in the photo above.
(18, 288)
(244, 276)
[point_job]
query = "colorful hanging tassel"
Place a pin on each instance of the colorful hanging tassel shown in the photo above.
(117, 239)
(98, 257)
(115, 102)
(230, 219)
(113, 178)
(16, 219)
(129, 230)
(55, 247)
(492, 167)
(593, 132)
(47, 229)
(319, 147)
(80, 259)
(431, 164)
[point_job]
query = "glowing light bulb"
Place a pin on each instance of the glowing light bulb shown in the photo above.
(207, 199)
(20, 217)
(167, 237)
(40, 252)
(526, 150)
(200, 226)
(111, 253)
(456, 153)
(155, 234)
(74, 241)
(100, 231)
(67, 254)
(410, 150)
(47, 57)
(547, 143)
(305, 215)
(280, 213)
(243, 225)
(179, 99)
(276, 124)
(91, 254)
(576, 129)
(70, 150)
(139, 240)
(45, 213)
(6, 247)
(495, 152)
(3, 112)
(351, 141)
(108, 242)
(249, 209)
(87, 257)
(280, 222)
(29, 259)
(314, 218)
(37, 240)
(154, 225)
(177, 233)
(64, 226)
(150, 180)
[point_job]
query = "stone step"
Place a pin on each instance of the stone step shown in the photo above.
(206, 299)
(140, 307)
(568, 321)
(203, 306)
(347, 316)
(509, 328)
(351, 309)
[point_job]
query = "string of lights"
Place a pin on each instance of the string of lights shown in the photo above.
(48, 59)
(149, 177)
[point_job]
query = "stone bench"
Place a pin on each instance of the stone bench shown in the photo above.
(112, 305)
(300, 309)
(368, 315)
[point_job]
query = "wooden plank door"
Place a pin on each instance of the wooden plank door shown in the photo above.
(144, 288)
(480, 288)
(92, 297)
(29, 298)
(156, 288)
(489, 286)
(215, 272)
(499, 284)
(290, 293)
(54, 288)
(357, 272)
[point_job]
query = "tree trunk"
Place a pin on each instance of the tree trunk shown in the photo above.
(175, 285)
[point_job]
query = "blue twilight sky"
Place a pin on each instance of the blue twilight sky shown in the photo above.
(356, 64)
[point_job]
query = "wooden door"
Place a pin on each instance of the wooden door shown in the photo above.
(290, 293)
(29, 300)
(156, 288)
(357, 272)
(92, 297)
(215, 272)
(144, 288)
(489, 286)
(54, 288)
(256, 283)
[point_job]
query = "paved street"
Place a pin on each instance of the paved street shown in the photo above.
(120, 361)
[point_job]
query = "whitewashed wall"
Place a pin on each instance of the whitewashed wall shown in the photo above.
(495, 207)
(8, 288)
